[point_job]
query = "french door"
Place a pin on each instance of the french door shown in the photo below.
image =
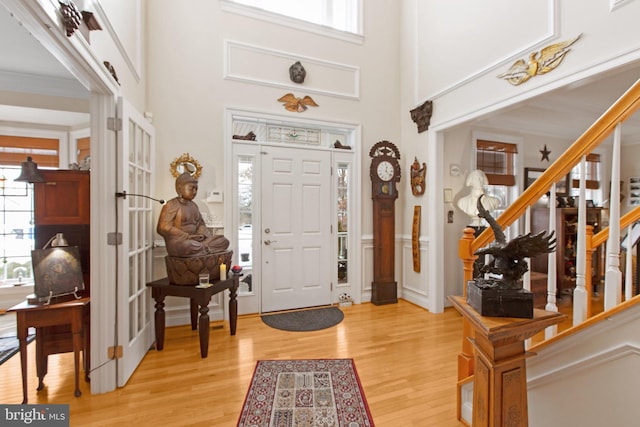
(135, 143)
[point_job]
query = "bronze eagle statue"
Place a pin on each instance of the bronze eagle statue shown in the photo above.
(508, 258)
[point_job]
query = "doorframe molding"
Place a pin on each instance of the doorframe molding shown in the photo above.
(354, 132)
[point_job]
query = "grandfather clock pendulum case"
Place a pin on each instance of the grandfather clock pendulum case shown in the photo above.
(385, 173)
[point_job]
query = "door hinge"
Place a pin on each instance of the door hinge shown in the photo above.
(331, 286)
(114, 239)
(114, 124)
(114, 352)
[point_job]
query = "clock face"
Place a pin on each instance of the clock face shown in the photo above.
(385, 170)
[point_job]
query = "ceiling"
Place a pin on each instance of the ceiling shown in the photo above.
(566, 112)
(27, 67)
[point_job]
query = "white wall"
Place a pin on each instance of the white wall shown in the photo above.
(588, 379)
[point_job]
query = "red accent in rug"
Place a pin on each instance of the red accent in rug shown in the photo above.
(309, 392)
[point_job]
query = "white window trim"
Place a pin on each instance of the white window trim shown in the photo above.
(298, 24)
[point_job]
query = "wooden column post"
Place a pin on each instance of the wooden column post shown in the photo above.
(465, 358)
(500, 377)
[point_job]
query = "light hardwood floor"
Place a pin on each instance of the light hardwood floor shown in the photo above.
(406, 358)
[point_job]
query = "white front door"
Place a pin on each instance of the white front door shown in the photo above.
(296, 228)
(136, 158)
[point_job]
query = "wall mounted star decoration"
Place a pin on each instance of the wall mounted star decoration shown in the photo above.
(545, 153)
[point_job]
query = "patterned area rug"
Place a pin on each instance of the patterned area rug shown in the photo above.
(305, 393)
(9, 345)
(305, 320)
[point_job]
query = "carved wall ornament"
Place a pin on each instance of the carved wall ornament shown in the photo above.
(71, 17)
(418, 174)
(339, 144)
(91, 21)
(251, 136)
(111, 70)
(547, 59)
(297, 73)
(185, 163)
(421, 115)
(297, 105)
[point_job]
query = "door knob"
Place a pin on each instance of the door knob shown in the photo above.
(268, 242)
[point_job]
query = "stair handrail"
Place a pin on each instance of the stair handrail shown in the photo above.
(625, 221)
(623, 108)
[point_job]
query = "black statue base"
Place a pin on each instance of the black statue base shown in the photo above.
(490, 301)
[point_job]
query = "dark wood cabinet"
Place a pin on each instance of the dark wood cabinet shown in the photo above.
(62, 205)
(63, 198)
(566, 235)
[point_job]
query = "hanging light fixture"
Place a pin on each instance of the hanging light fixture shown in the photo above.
(30, 172)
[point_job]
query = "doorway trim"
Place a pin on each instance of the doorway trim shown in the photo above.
(352, 137)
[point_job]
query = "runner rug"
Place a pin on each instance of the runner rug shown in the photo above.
(312, 392)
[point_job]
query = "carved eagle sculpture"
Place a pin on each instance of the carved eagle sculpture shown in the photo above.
(509, 257)
(541, 62)
(297, 105)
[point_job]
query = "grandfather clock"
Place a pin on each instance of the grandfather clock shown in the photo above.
(384, 172)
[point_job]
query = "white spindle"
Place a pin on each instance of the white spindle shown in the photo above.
(628, 274)
(551, 267)
(526, 279)
(580, 292)
(613, 275)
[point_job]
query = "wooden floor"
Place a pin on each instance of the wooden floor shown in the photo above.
(406, 358)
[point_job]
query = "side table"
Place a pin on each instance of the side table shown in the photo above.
(40, 316)
(199, 297)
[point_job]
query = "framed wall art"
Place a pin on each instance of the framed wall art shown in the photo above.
(531, 174)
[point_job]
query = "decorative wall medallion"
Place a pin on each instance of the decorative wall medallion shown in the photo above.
(297, 73)
(297, 105)
(541, 62)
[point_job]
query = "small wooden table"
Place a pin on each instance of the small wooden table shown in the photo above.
(42, 317)
(199, 297)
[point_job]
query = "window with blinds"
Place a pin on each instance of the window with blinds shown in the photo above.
(497, 160)
(84, 148)
(592, 173)
(15, 149)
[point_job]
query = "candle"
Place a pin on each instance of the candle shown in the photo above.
(223, 271)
